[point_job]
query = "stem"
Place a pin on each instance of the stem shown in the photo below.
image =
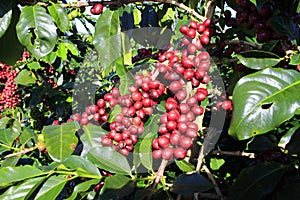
(22, 152)
(257, 46)
(160, 173)
(120, 3)
(234, 153)
(210, 8)
(211, 177)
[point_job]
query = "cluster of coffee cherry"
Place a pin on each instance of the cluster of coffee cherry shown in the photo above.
(8, 95)
(146, 53)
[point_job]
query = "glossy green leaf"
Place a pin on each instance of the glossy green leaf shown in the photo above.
(216, 163)
(288, 136)
(25, 78)
(10, 47)
(295, 59)
(256, 182)
(52, 187)
(116, 186)
(78, 162)
(24, 190)
(191, 183)
(110, 160)
(10, 161)
(125, 81)
(59, 16)
(91, 138)
(34, 65)
(36, 30)
(258, 59)
(264, 100)
(81, 190)
(117, 109)
(60, 139)
(107, 38)
(72, 48)
(7, 139)
(62, 51)
(11, 175)
(3, 122)
(5, 16)
(185, 166)
(285, 25)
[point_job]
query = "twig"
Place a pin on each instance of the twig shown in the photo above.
(160, 173)
(22, 152)
(233, 153)
(208, 196)
(210, 8)
(211, 177)
(244, 42)
(120, 3)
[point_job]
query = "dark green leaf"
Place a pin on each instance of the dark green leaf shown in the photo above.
(258, 59)
(5, 16)
(52, 187)
(11, 175)
(125, 81)
(295, 59)
(59, 16)
(256, 182)
(7, 139)
(285, 26)
(82, 189)
(287, 137)
(191, 183)
(117, 109)
(185, 166)
(10, 161)
(107, 38)
(25, 78)
(116, 186)
(27, 135)
(110, 160)
(24, 190)
(293, 145)
(260, 143)
(78, 162)
(264, 100)
(91, 138)
(36, 30)
(290, 189)
(60, 140)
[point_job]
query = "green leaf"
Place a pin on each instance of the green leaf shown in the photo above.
(11, 175)
(82, 189)
(295, 59)
(24, 190)
(36, 30)
(107, 38)
(62, 51)
(34, 65)
(191, 183)
(3, 122)
(290, 189)
(26, 135)
(7, 139)
(91, 138)
(293, 145)
(216, 163)
(72, 48)
(10, 47)
(78, 162)
(185, 166)
(260, 143)
(52, 187)
(117, 109)
(125, 81)
(110, 160)
(258, 59)
(10, 161)
(116, 186)
(264, 100)
(287, 137)
(285, 26)
(145, 147)
(25, 78)
(256, 182)
(60, 139)
(5, 16)
(59, 16)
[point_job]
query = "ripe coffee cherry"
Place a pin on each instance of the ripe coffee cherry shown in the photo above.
(200, 74)
(191, 133)
(84, 121)
(200, 96)
(96, 117)
(198, 110)
(167, 153)
(162, 129)
(227, 105)
(190, 116)
(138, 105)
(94, 108)
(195, 82)
(204, 39)
(201, 28)
(171, 105)
(175, 138)
(193, 24)
(192, 49)
(204, 56)
(182, 127)
(181, 95)
(183, 118)
(105, 141)
(148, 111)
(207, 23)
(192, 101)
(156, 154)
(186, 142)
(184, 29)
(187, 62)
(134, 138)
(115, 93)
(155, 144)
(202, 90)
(133, 129)
(118, 137)
(180, 153)
(171, 125)
(163, 141)
(193, 125)
(136, 96)
(97, 9)
(191, 33)
(108, 97)
(206, 79)
(189, 74)
(124, 152)
(175, 86)
(173, 115)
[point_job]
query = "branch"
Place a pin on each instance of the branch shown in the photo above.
(22, 152)
(244, 42)
(120, 3)
(233, 153)
(211, 177)
(160, 173)
(210, 8)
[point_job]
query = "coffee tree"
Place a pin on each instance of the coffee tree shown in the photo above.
(149, 99)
